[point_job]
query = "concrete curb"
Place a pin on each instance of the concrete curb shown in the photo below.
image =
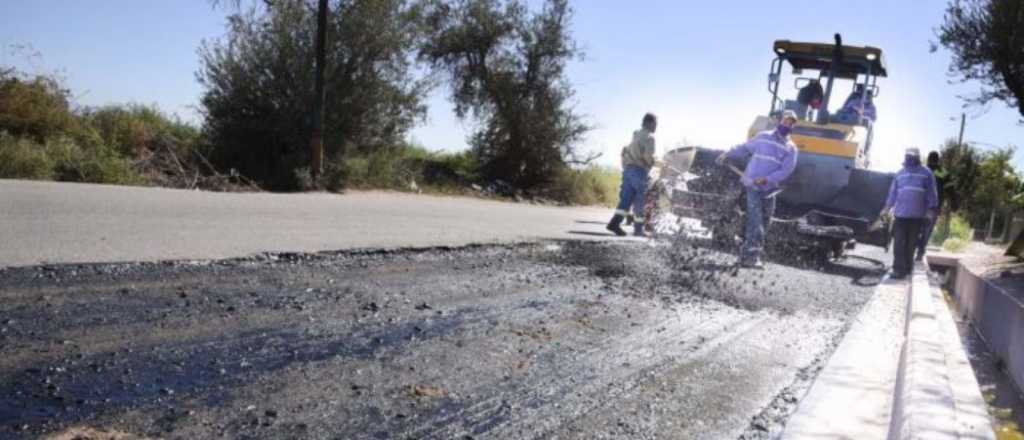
(937, 396)
(900, 372)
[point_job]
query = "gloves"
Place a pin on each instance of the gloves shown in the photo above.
(746, 181)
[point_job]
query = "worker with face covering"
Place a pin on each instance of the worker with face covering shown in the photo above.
(637, 160)
(772, 160)
(913, 201)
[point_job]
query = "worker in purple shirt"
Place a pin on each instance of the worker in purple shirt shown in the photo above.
(772, 160)
(913, 201)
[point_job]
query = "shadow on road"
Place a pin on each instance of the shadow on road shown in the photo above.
(591, 233)
(590, 222)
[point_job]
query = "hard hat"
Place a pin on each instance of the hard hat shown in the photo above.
(913, 151)
(789, 114)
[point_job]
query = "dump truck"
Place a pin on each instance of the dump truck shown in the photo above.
(832, 200)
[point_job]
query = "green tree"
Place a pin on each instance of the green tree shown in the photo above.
(259, 84)
(987, 41)
(995, 187)
(506, 68)
(960, 164)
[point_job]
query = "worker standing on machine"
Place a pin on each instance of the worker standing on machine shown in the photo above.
(772, 160)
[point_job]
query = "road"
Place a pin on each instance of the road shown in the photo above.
(566, 339)
(48, 222)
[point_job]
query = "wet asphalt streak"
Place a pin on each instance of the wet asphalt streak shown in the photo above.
(548, 340)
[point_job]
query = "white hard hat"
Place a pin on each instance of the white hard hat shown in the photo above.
(913, 151)
(789, 114)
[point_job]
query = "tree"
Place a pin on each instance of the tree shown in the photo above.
(507, 68)
(258, 86)
(996, 185)
(960, 165)
(987, 41)
(979, 182)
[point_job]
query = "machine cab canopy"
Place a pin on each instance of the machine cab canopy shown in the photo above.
(857, 60)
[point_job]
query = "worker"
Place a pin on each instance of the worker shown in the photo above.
(912, 201)
(858, 106)
(772, 160)
(940, 183)
(637, 160)
(811, 94)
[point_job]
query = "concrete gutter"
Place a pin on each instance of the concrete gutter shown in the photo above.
(996, 314)
(900, 372)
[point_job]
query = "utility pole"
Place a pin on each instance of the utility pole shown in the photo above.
(959, 142)
(963, 121)
(317, 141)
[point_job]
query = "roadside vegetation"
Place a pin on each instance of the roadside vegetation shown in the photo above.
(952, 232)
(982, 191)
(382, 59)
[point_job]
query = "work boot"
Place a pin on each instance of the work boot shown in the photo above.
(751, 263)
(629, 219)
(614, 225)
(638, 229)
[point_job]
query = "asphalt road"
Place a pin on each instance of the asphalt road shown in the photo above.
(585, 340)
(48, 222)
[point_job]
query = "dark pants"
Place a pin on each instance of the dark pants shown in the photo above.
(905, 234)
(926, 235)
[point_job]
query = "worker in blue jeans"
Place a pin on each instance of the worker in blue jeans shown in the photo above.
(772, 160)
(637, 161)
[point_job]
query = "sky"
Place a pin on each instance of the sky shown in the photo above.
(700, 66)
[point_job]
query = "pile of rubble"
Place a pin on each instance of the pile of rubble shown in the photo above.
(163, 163)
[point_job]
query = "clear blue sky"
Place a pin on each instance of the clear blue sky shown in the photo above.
(701, 66)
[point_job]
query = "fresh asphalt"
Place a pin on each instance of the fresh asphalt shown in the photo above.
(568, 339)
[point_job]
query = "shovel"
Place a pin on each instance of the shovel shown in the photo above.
(740, 173)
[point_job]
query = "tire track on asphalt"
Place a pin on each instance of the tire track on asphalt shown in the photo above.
(603, 367)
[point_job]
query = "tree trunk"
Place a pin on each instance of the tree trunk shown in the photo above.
(991, 225)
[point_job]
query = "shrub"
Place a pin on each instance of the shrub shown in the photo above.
(20, 158)
(956, 236)
(130, 128)
(60, 158)
(593, 185)
(35, 107)
(958, 228)
(954, 244)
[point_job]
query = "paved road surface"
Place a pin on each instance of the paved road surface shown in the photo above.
(571, 340)
(66, 223)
